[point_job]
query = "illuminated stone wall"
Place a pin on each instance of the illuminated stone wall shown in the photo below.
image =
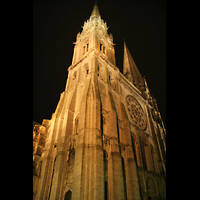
(106, 139)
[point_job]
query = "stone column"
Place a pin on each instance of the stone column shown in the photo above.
(117, 184)
(134, 184)
(57, 182)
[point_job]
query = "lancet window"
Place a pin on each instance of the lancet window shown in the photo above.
(85, 48)
(102, 48)
(68, 195)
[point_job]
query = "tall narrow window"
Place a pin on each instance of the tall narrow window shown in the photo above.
(98, 69)
(101, 47)
(143, 153)
(104, 50)
(87, 46)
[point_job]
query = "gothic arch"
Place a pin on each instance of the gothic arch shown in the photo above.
(103, 46)
(68, 195)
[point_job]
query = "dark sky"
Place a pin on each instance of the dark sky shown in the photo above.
(55, 25)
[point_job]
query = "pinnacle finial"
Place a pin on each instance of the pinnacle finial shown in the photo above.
(95, 11)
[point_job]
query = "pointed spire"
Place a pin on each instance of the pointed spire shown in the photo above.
(130, 69)
(95, 12)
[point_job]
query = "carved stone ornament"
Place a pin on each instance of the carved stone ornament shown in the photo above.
(136, 112)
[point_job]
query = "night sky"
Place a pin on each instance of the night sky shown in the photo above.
(55, 25)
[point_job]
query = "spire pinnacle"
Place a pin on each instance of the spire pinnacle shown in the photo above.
(130, 68)
(95, 11)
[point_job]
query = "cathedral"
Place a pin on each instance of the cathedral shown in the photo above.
(106, 139)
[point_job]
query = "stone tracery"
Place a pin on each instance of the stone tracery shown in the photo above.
(136, 112)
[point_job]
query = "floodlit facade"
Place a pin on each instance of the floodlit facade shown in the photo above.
(106, 138)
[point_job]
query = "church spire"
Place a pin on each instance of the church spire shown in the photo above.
(130, 69)
(94, 36)
(95, 11)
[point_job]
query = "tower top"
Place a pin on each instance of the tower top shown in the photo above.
(95, 11)
(95, 23)
(94, 36)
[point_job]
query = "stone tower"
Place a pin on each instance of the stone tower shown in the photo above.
(106, 139)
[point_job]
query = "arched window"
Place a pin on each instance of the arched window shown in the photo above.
(101, 47)
(68, 195)
(98, 69)
(143, 153)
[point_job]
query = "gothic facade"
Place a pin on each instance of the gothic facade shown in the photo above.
(106, 138)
